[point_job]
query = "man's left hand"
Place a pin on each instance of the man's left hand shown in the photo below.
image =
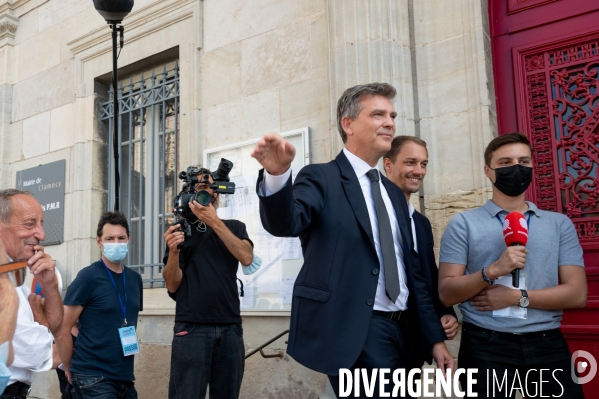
(42, 267)
(450, 325)
(495, 297)
(442, 357)
(206, 214)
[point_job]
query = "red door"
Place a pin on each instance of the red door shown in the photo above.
(546, 71)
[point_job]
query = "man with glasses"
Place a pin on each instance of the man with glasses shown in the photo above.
(106, 298)
(21, 231)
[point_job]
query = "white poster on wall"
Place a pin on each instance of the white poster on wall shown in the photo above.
(270, 288)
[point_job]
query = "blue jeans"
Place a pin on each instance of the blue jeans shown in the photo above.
(499, 354)
(206, 354)
(100, 387)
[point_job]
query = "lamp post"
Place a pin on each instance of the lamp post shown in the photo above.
(113, 11)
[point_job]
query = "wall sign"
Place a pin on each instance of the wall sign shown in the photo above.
(47, 182)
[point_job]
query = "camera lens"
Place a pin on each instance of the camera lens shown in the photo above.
(203, 197)
(222, 172)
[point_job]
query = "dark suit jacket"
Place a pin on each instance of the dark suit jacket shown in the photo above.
(334, 292)
(426, 242)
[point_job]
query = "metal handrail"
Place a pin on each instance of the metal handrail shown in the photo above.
(280, 354)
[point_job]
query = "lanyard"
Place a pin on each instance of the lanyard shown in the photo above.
(527, 220)
(123, 306)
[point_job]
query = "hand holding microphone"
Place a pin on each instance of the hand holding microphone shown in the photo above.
(515, 234)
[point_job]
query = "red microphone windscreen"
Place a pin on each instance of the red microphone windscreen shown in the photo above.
(515, 229)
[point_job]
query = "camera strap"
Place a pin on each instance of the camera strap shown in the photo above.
(200, 241)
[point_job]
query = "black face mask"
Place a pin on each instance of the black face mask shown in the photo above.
(512, 180)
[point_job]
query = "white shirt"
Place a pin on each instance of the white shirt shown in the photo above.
(32, 343)
(273, 184)
(411, 210)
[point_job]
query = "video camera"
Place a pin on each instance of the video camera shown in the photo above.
(191, 178)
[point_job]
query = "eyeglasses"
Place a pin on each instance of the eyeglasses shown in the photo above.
(17, 271)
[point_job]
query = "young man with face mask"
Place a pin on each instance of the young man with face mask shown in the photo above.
(106, 298)
(509, 331)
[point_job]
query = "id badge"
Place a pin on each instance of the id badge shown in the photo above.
(129, 340)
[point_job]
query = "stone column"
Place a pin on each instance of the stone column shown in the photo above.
(369, 41)
(456, 103)
(8, 28)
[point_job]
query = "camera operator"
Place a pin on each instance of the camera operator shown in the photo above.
(200, 276)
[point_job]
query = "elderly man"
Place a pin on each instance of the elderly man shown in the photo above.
(21, 230)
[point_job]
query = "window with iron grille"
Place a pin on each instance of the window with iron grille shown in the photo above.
(148, 138)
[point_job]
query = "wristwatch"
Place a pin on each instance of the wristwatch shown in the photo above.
(524, 301)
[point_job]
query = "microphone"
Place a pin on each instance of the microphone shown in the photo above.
(515, 232)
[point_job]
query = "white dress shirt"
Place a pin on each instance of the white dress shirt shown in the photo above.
(273, 184)
(411, 210)
(32, 343)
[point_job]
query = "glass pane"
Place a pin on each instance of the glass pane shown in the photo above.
(142, 243)
(126, 122)
(170, 122)
(126, 171)
(136, 182)
(133, 243)
(169, 170)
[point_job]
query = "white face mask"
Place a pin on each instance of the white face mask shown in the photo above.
(115, 252)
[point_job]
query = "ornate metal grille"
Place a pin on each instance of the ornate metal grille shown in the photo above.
(148, 137)
(562, 103)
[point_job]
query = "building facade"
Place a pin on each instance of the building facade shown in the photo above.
(196, 75)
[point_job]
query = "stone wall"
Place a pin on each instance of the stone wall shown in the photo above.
(246, 68)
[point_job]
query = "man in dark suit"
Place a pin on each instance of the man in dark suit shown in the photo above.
(405, 165)
(360, 296)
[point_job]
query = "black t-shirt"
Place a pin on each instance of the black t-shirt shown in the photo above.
(98, 349)
(208, 292)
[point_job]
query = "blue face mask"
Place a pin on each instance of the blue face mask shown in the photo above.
(4, 373)
(253, 267)
(115, 252)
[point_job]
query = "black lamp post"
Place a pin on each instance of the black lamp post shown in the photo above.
(113, 11)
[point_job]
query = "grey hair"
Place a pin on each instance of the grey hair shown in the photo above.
(349, 103)
(6, 202)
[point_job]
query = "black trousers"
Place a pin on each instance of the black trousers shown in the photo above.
(387, 346)
(64, 385)
(207, 357)
(513, 358)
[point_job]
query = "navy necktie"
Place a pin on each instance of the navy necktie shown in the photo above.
(385, 238)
